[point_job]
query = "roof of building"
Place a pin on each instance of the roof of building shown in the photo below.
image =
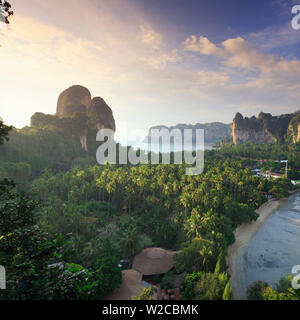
(153, 261)
(274, 174)
(131, 286)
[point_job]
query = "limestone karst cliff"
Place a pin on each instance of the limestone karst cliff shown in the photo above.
(77, 99)
(265, 128)
(101, 115)
(74, 99)
(79, 114)
(294, 129)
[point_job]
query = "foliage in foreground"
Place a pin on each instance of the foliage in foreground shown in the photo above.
(147, 294)
(260, 290)
(34, 262)
(207, 286)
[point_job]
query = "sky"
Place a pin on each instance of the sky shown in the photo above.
(153, 62)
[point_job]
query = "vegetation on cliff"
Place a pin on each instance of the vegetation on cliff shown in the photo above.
(265, 128)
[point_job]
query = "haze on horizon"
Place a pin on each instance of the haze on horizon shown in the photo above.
(154, 62)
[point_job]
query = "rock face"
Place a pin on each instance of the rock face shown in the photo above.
(79, 115)
(74, 99)
(101, 115)
(213, 132)
(294, 129)
(265, 128)
(77, 99)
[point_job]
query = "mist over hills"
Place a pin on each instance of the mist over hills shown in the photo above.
(213, 132)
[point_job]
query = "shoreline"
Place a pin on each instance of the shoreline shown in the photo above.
(243, 234)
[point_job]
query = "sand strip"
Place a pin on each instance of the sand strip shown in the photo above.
(243, 234)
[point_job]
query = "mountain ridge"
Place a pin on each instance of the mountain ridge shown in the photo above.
(213, 131)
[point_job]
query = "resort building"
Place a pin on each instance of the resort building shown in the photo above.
(274, 175)
(153, 261)
(149, 263)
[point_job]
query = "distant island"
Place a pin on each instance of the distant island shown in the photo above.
(213, 132)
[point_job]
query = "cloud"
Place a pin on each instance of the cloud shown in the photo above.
(202, 45)
(160, 60)
(237, 53)
(212, 79)
(234, 52)
(160, 56)
(150, 37)
(42, 44)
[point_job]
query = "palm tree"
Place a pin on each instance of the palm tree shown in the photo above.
(193, 225)
(129, 242)
(206, 254)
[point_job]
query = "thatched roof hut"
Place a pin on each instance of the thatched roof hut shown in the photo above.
(152, 261)
(131, 286)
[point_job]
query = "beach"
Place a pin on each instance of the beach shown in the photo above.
(243, 235)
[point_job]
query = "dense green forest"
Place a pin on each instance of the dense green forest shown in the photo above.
(48, 142)
(267, 152)
(65, 234)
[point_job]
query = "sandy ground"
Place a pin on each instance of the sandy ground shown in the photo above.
(131, 286)
(243, 234)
